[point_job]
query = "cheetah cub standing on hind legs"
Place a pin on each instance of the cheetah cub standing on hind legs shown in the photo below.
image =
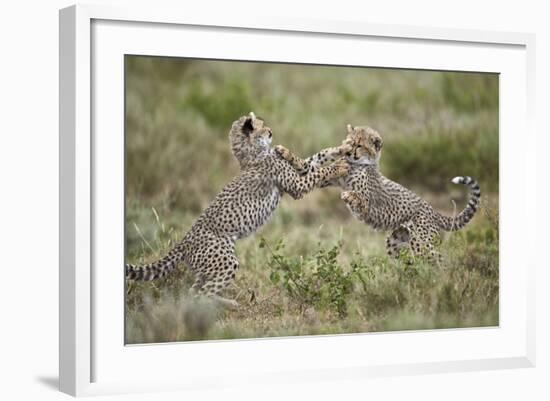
(243, 206)
(382, 203)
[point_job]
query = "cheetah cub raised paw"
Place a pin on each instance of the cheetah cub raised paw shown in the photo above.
(356, 202)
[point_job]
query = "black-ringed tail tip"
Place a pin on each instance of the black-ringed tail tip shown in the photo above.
(461, 180)
(459, 221)
(470, 182)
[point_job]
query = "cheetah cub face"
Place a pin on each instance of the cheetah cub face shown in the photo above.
(250, 139)
(364, 145)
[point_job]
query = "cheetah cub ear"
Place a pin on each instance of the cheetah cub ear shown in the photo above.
(248, 125)
(349, 127)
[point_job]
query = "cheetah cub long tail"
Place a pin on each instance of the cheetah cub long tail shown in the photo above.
(454, 223)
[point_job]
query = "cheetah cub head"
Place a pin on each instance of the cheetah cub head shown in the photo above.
(363, 144)
(250, 139)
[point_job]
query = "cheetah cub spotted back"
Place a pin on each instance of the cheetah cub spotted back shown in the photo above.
(243, 206)
(383, 203)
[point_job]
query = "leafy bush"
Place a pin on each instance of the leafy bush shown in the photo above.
(318, 280)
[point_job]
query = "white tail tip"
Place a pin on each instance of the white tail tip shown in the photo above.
(457, 180)
(251, 114)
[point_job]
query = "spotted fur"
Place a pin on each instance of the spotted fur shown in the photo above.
(385, 204)
(317, 160)
(243, 205)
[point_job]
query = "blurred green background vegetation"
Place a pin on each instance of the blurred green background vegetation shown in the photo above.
(435, 125)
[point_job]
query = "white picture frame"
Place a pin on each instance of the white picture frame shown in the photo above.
(93, 358)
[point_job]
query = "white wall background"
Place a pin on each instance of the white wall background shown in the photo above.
(29, 196)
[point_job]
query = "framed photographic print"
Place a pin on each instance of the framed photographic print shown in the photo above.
(339, 199)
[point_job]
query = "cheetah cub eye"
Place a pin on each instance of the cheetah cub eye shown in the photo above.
(377, 142)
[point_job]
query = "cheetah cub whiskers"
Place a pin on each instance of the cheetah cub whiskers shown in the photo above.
(243, 206)
(383, 203)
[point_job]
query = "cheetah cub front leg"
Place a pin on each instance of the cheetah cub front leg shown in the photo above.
(317, 160)
(296, 163)
(338, 169)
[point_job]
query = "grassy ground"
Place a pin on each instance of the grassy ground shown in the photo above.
(312, 269)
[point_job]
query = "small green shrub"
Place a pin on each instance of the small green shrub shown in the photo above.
(317, 280)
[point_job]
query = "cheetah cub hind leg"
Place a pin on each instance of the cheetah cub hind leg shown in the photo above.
(423, 245)
(397, 241)
(214, 276)
(225, 302)
(207, 290)
(428, 250)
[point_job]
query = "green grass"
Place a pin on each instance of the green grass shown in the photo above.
(335, 280)
(330, 273)
(449, 152)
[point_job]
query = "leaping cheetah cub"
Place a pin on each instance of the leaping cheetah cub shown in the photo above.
(243, 206)
(382, 203)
